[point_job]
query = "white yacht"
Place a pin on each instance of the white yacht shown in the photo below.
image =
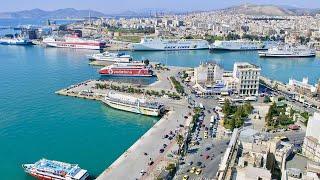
(288, 51)
(112, 57)
(159, 44)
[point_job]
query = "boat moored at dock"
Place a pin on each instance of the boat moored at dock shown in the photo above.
(288, 51)
(49, 169)
(160, 44)
(74, 42)
(239, 45)
(134, 68)
(111, 57)
(133, 104)
(15, 41)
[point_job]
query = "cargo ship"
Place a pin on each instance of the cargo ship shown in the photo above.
(15, 41)
(159, 44)
(288, 51)
(111, 57)
(49, 169)
(127, 69)
(73, 42)
(133, 104)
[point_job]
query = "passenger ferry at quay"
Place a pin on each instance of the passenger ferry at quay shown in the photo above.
(288, 51)
(134, 68)
(73, 42)
(160, 44)
(242, 45)
(55, 170)
(133, 104)
(111, 57)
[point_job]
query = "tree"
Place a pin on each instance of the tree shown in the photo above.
(146, 62)
(226, 109)
(179, 140)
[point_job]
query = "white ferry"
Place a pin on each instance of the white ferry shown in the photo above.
(288, 51)
(74, 42)
(159, 44)
(111, 57)
(241, 45)
(48, 169)
(133, 104)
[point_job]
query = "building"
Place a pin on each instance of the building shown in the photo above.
(311, 146)
(302, 87)
(253, 173)
(208, 73)
(247, 76)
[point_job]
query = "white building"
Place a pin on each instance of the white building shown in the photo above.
(311, 145)
(208, 73)
(247, 76)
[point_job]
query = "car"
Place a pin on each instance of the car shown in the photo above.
(207, 157)
(161, 150)
(198, 171)
(185, 177)
(205, 136)
(190, 163)
(199, 163)
(193, 169)
(150, 162)
(165, 145)
(208, 148)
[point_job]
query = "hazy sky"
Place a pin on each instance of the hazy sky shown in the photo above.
(112, 6)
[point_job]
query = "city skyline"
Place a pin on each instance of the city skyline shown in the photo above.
(110, 7)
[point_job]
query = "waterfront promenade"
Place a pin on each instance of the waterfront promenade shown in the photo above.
(133, 161)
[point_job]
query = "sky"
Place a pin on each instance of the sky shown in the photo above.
(116, 6)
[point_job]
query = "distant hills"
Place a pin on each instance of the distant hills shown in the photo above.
(248, 9)
(56, 14)
(269, 10)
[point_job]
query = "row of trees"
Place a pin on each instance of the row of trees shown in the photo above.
(129, 89)
(179, 88)
(235, 115)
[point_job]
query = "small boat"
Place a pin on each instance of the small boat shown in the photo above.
(45, 169)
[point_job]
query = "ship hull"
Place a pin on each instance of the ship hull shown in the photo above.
(168, 47)
(126, 72)
(265, 55)
(133, 109)
(74, 45)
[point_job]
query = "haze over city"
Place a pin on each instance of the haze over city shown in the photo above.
(110, 6)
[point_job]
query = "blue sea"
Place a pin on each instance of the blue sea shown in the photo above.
(37, 123)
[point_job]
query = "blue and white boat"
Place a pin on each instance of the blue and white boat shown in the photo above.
(48, 169)
(15, 41)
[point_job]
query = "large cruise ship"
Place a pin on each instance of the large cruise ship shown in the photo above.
(159, 44)
(133, 104)
(15, 41)
(48, 169)
(288, 51)
(127, 69)
(74, 42)
(241, 45)
(112, 57)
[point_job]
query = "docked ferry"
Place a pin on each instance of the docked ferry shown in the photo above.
(74, 42)
(133, 104)
(127, 69)
(288, 51)
(160, 44)
(15, 41)
(111, 57)
(49, 169)
(241, 45)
